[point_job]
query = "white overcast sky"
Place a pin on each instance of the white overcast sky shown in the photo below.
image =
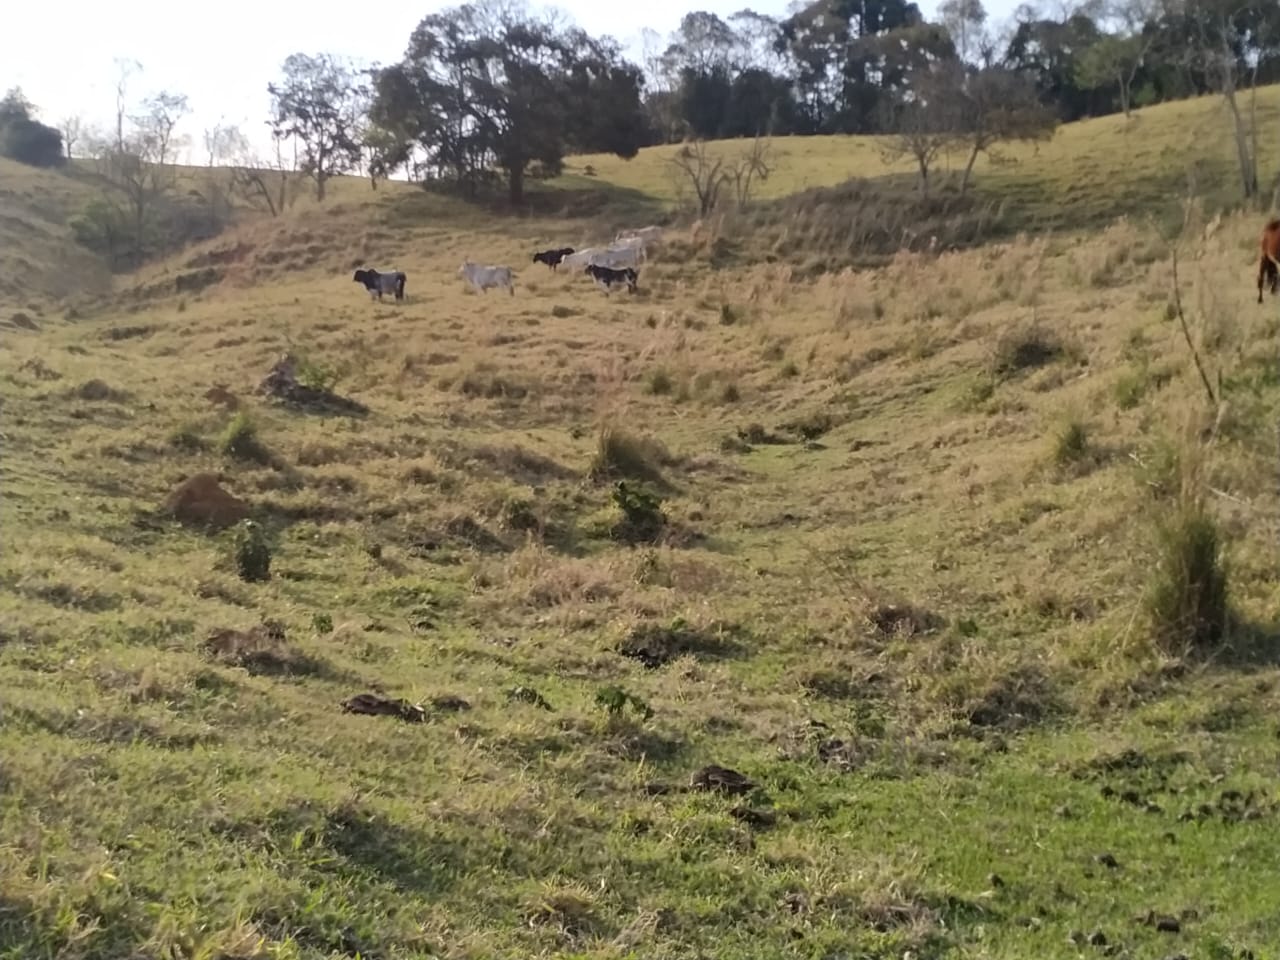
(223, 54)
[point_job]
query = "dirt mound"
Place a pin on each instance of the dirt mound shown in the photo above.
(201, 501)
(219, 395)
(281, 383)
(99, 390)
(372, 705)
(260, 650)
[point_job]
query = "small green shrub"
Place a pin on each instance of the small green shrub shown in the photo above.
(789, 369)
(252, 553)
(322, 623)
(1130, 387)
(518, 514)
(730, 393)
(979, 391)
(659, 382)
(240, 440)
(614, 700)
(728, 315)
(187, 438)
(642, 518)
(1071, 443)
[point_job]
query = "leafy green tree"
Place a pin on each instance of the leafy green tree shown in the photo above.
(321, 104)
(490, 84)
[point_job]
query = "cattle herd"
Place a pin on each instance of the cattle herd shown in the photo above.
(609, 266)
(619, 263)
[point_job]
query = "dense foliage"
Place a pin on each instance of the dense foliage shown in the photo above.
(24, 138)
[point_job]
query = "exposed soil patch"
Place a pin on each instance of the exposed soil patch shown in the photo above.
(1020, 698)
(372, 705)
(282, 384)
(201, 501)
(219, 396)
(903, 619)
(655, 644)
(263, 649)
(99, 391)
(721, 780)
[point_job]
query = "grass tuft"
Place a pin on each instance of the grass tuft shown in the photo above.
(623, 455)
(1186, 601)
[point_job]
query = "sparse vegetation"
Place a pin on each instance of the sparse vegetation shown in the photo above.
(252, 552)
(448, 712)
(1187, 595)
(240, 440)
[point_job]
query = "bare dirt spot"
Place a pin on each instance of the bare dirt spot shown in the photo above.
(903, 619)
(721, 780)
(655, 644)
(201, 501)
(99, 391)
(372, 705)
(219, 396)
(260, 650)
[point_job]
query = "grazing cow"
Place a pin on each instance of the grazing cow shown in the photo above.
(608, 278)
(579, 258)
(647, 235)
(379, 283)
(552, 258)
(619, 257)
(482, 278)
(1269, 265)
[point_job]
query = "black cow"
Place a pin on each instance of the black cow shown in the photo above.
(607, 277)
(552, 258)
(379, 283)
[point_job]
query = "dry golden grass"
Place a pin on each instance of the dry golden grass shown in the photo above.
(885, 598)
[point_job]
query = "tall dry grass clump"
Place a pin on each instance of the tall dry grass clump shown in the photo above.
(621, 455)
(1186, 602)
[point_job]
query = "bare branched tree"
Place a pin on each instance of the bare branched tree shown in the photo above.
(753, 166)
(705, 174)
(72, 129)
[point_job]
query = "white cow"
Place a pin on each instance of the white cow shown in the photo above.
(579, 260)
(649, 235)
(619, 256)
(482, 278)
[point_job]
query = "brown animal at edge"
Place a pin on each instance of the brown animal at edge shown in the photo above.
(1269, 265)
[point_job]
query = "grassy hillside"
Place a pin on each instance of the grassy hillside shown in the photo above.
(1090, 173)
(918, 631)
(903, 587)
(39, 259)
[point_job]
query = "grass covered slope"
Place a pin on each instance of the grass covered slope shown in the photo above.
(1090, 173)
(898, 588)
(40, 260)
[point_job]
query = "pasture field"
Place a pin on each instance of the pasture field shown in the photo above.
(910, 525)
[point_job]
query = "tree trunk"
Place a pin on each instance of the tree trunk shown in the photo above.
(1253, 129)
(1124, 94)
(1248, 173)
(924, 176)
(968, 170)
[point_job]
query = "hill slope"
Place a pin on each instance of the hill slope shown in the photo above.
(1091, 172)
(39, 258)
(899, 588)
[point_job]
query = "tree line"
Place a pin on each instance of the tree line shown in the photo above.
(490, 88)
(493, 93)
